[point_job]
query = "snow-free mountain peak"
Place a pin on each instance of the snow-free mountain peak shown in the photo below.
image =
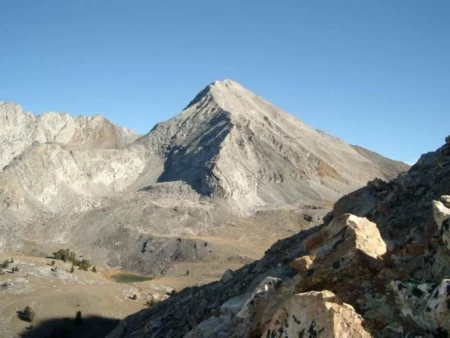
(230, 152)
(235, 100)
(228, 142)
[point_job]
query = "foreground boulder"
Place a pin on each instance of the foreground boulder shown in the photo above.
(442, 218)
(316, 314)
(341, 256)
(425, 304)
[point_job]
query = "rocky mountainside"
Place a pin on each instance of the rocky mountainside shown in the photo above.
(53, 162)
(86, 183)
(377, 267)
(230, 143)
(20, 130)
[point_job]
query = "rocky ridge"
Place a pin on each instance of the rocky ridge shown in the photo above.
(377, 267)
(227, 143)
(227, 156)
(21, 130)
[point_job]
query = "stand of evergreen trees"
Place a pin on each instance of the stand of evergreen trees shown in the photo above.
(69, 256)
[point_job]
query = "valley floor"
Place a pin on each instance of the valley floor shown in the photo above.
(55, 295)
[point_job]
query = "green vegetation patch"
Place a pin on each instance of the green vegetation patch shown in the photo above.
(129, 278)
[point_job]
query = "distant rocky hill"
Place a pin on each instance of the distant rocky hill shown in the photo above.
(85, 182)
(377, 267)
(20, 130)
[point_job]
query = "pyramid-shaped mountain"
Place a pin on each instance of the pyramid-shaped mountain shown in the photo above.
(230, 143)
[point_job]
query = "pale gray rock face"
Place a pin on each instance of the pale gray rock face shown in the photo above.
(227, 154)
(19, 130)
(230, 143)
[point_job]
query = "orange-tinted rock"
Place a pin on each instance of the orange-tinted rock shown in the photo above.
(350, 248)
(302, 264)
(316, 314)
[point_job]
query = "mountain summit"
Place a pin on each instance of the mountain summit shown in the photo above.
(230, 143)
(227, 143)
(84, 182)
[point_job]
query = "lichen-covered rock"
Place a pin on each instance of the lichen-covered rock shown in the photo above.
(425, 304)
(347, 233)
(316, 314)
(341, 256)
(442, 218)
(439, 305)
(445, 199)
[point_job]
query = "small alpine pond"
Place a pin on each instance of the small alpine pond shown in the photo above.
(129, 278)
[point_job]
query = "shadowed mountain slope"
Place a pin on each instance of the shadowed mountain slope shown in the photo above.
(230, 143)
(385, 275)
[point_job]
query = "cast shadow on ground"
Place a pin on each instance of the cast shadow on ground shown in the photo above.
(90, 327)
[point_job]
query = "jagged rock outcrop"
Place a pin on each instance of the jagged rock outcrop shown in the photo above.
(316, 314)
(424, 303)
(346, 252)
(442, 218)
(400, 205)
(384, 279)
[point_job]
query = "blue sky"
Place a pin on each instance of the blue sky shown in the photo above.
(375, 73)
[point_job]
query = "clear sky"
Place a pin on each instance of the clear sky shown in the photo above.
(374, 73)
